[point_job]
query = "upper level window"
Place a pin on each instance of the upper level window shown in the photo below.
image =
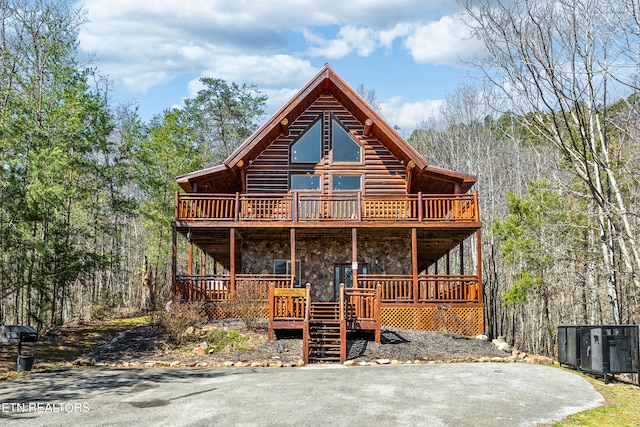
(346, 182)
(308, 148)
(304, 182)
(345, 149)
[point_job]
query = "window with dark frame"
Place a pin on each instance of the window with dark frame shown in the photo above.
(304, 182)
(308, 148)
(345, 148)
(283, 266)
(346, 182)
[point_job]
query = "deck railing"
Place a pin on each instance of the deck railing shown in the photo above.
(202, 288)
(362, 304)
(288, 304)
(295, 207)
(430, 288)
(218, 287)
(394, 288)
(448, 288)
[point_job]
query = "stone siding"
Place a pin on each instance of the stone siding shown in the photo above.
(319, 254)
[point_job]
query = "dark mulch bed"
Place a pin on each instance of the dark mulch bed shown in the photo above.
(146, 343)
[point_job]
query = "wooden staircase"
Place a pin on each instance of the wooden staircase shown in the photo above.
(326, 335)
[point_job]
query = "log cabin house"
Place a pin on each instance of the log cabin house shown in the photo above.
(335, 223)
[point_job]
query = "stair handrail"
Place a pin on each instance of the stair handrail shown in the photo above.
(305, 325)
(307, 308)
(341, 308)
(343, 327)
(272, 299)
(378, 303)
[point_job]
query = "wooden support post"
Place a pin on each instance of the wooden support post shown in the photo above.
(232, 261)
(284, 126)
(368, 124)
(461, 257)
(271, 312)
(174, 259)
(177, 207)
(448, 263)
(354, 257)
(292, 244)
(414, 262)
(203, 263)
(409, 172)
(479, 263)
(190, 258)
(243, 178)
(237, 211)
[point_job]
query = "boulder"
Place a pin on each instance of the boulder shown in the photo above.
(503, 346)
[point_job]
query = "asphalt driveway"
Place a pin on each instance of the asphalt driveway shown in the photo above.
(474, 394)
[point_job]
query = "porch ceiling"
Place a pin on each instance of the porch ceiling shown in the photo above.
(433, 244)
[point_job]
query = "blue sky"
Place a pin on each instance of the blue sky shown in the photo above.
(412, 53)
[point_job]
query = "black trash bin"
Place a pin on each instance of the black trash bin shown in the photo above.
(20, 334)
(25, 362)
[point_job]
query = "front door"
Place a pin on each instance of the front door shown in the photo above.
(343, 273)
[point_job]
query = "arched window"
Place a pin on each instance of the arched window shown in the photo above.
(345, 149)
(308, 148)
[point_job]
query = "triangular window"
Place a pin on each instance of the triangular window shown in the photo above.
(345, 149)
(307, 149)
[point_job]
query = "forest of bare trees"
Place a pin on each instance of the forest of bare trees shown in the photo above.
(553, 137)
(550, 129)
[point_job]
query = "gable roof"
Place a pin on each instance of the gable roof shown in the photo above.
(227, 177)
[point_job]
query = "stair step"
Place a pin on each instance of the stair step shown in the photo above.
(324, 359)
(324, 332)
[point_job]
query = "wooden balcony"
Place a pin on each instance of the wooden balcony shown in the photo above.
(304, 208)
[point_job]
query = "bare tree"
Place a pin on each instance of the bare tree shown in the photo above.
(551, 60)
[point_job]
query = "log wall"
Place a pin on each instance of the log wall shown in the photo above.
(269, 171)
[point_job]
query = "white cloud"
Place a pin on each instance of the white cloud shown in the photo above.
(408, 115)
(264, 71)
(276, 45)
(399, 30)
(278, 76)
(445, 41)
(144, 43)
(349, 39)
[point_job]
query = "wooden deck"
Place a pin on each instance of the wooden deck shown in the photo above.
(435, 302)
(299, 208)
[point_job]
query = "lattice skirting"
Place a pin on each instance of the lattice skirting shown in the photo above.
(462, 319)
(225, 310)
